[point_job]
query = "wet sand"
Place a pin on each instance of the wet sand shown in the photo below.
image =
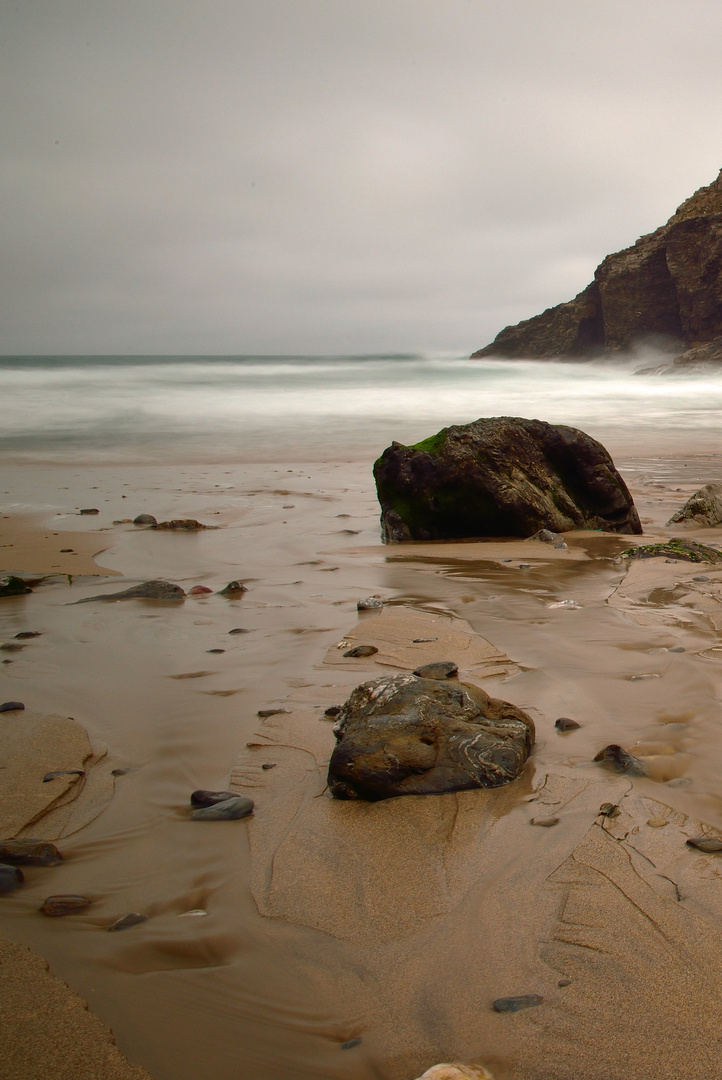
(396, 923)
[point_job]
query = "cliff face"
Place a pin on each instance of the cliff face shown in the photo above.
(668, 285)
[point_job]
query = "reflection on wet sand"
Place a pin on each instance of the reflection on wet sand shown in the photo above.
(397, 923)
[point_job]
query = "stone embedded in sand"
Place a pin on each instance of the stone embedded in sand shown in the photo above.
(501, 476)
(62, 772)
(65, 904)
(516, 1004)
(456, 1071)
(442, 669)
(182, 524)
(144, 519)
(370, 603)
(709, 844)
(11, 646)
(621, 760)
(608, 809)
(229, 810)
(10, 878)
(12, 706)
(203, 797)
(133, 918)
(25, 634)
(233, 588)
(702, 508)
(148, 590)
(29, 853)
(13, 586)
(199, 590)
(90, 510)
(677, 548)
(545, 822)
(565, 723)
(402, 735)
(362, 650)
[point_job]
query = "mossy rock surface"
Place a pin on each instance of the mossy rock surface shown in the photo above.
(501, 476)
(685, 550)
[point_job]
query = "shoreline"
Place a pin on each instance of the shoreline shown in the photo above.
(140, 679)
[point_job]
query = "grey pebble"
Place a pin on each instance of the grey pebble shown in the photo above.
(10, 878)
(350, 1043)
(565, 723)
(545, 822)
(230, 810)
(215, 650)
(362, 650)
(700, 577)
(24, 634)
(119, 772)
(90, 510)
(677, 648)
(420, 640)
(706, 843)
(11, 706)
(61, 772)
(203, 797)
(442, 669)
(268, 765)
(133, 918)
(516, 1004)
(239, 630)
(525, 566)
(11, 646)
(369, 603)
(564, 982)
(270, 712)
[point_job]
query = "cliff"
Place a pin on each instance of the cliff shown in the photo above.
(666, 287)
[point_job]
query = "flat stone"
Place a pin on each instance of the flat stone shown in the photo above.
(705, 843)
(516, 1004)
(239, 630)
(565, 723)
(147, 590)
(144, 519)
(65, 904)
(657, 822)
(29, 853)
(202, 797)
(621, 760)
(230, 810)
(265, 713)
(133, 918)
(350, 1043)
(545, 822)
(362, 650)
(442, 669)
(11, 706)
(11, 646)
(180, 524)
(25, 634)
(62, 772)
(608, 809)
(370, 603)
(233, 588)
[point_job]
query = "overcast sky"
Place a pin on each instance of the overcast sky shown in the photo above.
(323, 176)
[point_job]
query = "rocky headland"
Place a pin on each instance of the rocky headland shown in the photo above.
(664, 290)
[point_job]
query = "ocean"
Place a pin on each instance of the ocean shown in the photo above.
(146, 409)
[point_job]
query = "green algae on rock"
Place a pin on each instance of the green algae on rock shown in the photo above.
(685, 550)
(501, 476)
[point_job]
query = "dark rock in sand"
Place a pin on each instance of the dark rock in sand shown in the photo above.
(501, 476)
(710, 844)
(11, 706)
(233, 588)
(13, 586)
(90, 510)
(677, 548)
(332, 710)
(182, 524)
(199, 590)
(545, 536)
(133, 918)
(664, 288)
(608, 809)
(10, 878)
(65, 904)
(61, 772)
(215, 650)
(402, 735)
(25, 634)
(702, 508)
(144, 519)
(565, 723)
(442, 669)
(230, 810)
(265, 713)
(516, 1004)
(29, 853)
(621, 760)
(148, 590)
(362, 650)
(350, 1044)
(202, 797)
(268, 765)
(239, 630)
(11, 646)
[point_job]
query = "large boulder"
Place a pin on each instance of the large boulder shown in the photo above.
(667, 287)
(403, 735)
(501, 476)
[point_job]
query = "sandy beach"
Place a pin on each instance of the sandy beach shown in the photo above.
(348, 940)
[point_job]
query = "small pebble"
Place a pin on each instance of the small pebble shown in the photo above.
(10, 878)
(670, 560)
(369, 603)
(332, 710)
(545, 822)
(658, 822)
(565, 723)
(119, 772)
(199, 590)
(233, 588)
(90, 510)
(270, 712)
(194, 913)
(700, 577)
(65, 551)
(679, 781)
(506, 560)
(239, 630)
(677, 648)
(442, 669)
(516, 1004)
(564, 982)
(61, 772)
(203, 797)
(144, 519)
(11, 646)
(215, 650)
(525, 566)
(230, 810)
(609, 809)
(134, 918)
(65, 904)
(24, 634)
(420, 640)
(706, 843)
(350, 1043)
(268, 765)
(639, 678)
(11, 706)
(362, 650)
(29, 853)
